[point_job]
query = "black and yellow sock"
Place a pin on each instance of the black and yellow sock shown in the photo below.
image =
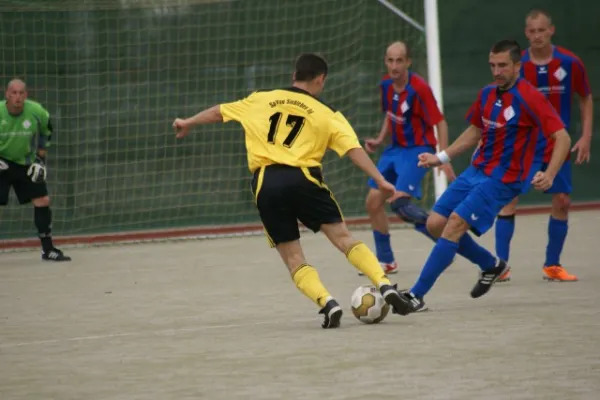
(365, 261)
(307, 280)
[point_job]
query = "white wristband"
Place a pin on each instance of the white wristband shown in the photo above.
(443, 156)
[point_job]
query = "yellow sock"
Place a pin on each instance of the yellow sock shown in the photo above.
(366, 262)
(307, 280)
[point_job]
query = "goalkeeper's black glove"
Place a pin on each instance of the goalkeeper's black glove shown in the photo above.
(37, 170)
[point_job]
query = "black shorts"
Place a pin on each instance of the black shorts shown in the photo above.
(16, 176)
(285, 195)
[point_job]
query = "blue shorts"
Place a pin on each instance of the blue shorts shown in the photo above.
(562, 181)
(476, 198)
(398, 165)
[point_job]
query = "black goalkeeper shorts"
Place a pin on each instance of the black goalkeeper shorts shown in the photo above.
(16, 177)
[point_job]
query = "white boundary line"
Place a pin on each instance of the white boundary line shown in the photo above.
(162, 332)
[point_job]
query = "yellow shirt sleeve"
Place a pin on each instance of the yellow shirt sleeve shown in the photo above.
(343, 138)
(235, 111)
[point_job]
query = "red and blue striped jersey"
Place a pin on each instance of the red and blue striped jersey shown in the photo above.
(511, 123)
(558, 80)
(411, 114)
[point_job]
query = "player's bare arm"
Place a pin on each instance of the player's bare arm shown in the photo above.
(371, 144)
(209, 116)
(543, 179)
(583, 145)
(362, 160)
(469, 138)
(442, 131)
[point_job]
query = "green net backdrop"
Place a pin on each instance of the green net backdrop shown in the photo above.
(114, 74)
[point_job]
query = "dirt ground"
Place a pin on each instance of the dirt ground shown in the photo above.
(221, 319)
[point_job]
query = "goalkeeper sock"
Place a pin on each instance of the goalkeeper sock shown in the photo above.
(365, 261)
(307, 281)
(43, 221)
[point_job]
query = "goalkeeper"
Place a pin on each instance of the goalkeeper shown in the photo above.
(25, 132)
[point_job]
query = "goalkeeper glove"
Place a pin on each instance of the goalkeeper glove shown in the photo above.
(37, 170)
(3, 165)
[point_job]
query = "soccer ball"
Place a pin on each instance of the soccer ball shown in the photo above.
(368, 305)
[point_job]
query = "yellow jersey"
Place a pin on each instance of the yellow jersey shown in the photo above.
(289, 127)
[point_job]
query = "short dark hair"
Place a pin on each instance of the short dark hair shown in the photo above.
(512, 46)
(536, 12)
(309, 66)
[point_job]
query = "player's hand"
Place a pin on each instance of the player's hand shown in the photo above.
(448, 171)
(181, 128)
(582, 147)
(542, 181)
(427, 160)
(371, 145)
(37, 171)
(388, 190)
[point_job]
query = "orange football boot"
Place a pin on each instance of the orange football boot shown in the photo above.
(556, 273)
(505, 277)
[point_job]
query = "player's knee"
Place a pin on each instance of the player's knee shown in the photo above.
(374, 201)
(291, 254)
(561, 203)
(436, 224)
(344, 242)
(510, 208)
(455, 228)
(41, 201)
(339, 235)
(408, 211)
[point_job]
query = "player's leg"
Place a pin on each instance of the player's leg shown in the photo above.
(363, 259)
(37, 193)
(375, 205)
(317, 209)
(436, 222)
(558, 226)
(409, 185)
(459, 209)
(479, 210)
(271, 188)
(505, 225)
(505, 229)
(306, 279)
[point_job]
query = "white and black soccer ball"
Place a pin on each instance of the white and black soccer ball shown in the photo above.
(368, 305)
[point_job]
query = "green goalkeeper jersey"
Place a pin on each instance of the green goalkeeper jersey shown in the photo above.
(22, 135)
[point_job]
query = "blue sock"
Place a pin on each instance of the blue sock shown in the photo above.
(505, 228)
(423, 229)
(469, 249)
(440, 257)
(557, 233)
(383, 247)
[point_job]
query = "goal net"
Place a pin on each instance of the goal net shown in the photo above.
(115, 73)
